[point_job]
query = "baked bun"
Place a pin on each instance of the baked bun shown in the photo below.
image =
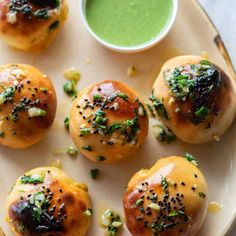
(108, 122)
(27, 105)
(194, 98)
(169, 199)
(31, 25)
(46, 202)
(1, 232)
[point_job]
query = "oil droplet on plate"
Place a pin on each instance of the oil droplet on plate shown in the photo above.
(57, 163)
(214, 207)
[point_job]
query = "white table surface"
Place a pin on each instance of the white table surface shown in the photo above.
(223, 14)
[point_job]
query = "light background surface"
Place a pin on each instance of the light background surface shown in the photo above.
(223, 14)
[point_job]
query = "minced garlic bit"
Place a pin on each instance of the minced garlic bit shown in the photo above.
(216, 138)
(88, 212)
(171, 101)
(112, 222)
(132, 71)
(154, 206)
(116, 106)
(177, 110)
(11, 17)
(214, 207)
(141, 111)
(36, 112)
(72, 74)
(18, 73)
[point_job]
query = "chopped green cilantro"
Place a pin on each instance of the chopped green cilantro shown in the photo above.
(100, 158)
(70, 88)
(67, 123)
(94, 173)
(191, 159)
(87, 148)
(32, 179)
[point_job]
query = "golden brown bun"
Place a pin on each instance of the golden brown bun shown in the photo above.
(171, 198)
(1, 232)
(181, 114)
(31, 89)
(34, 31)
(124, 120)
(61, 212)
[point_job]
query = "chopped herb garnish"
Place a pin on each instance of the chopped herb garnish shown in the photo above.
(67, 123)
(139, 202)
(2, 134)
(97, 97)
(164, 134)
(173, 214)
(41, 14)
(100, 158)
(151, 110)
(84, 131)
(94, 173)
(36, 112)
(54, 25)
(195, 83)
(205, 62)
(191, 159)
(202, 195)
(70, 88)
(112, 222)
(44, 90)
(123, 96)
(7, 95)
(72, 151)
(159, 107)
(164, 184)
(202, 112)
(32, 179)
(87, 148)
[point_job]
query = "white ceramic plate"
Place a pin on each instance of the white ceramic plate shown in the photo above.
(191, 34)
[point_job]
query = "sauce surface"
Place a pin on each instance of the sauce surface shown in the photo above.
(128, 22)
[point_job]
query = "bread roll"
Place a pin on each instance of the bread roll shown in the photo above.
(27, 105)
(108, 122)
(46, 202)
(169, 199)
(194, 98)
(31, 25)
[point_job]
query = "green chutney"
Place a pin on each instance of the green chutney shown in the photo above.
(128, 23)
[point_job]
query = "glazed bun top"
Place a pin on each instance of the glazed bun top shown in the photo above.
(45, 201)
(27, 105)
(108, 121)
(31, 25)
(194, 98)
(169, 199)
(27, 16)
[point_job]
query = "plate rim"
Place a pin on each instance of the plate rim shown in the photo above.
(224, 52)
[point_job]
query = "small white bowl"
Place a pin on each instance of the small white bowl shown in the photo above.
(131, 49)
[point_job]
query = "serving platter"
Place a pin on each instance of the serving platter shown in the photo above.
(192, 33)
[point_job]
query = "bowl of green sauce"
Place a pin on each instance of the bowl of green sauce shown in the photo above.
(129, 25)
